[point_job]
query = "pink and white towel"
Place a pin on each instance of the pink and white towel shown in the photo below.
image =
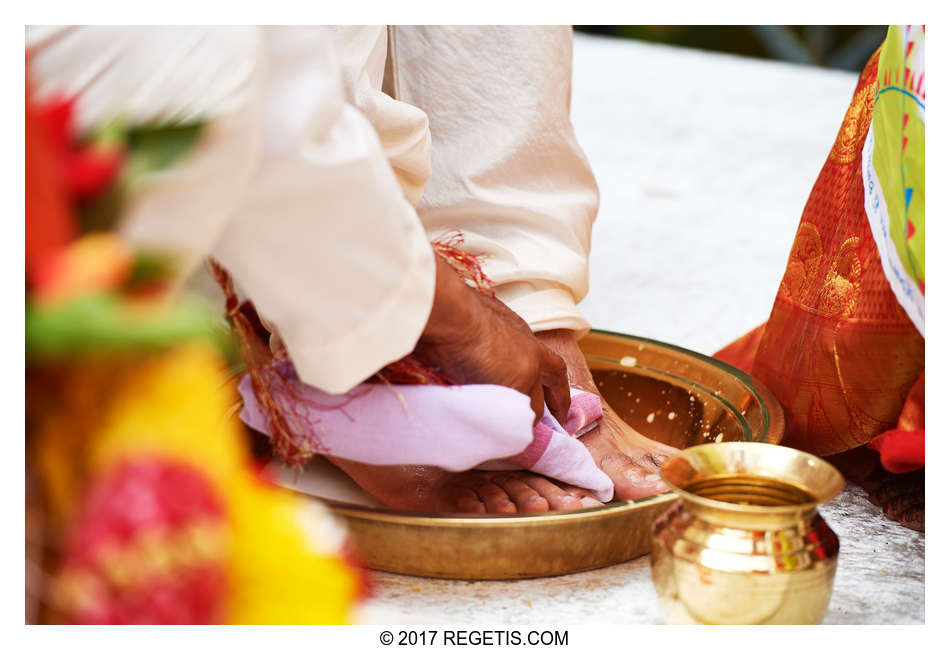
(454, 427)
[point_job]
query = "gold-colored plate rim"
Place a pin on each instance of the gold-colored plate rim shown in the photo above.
(412, 518)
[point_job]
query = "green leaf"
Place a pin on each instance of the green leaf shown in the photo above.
(158, 147)
(104, 323)
(149, 267)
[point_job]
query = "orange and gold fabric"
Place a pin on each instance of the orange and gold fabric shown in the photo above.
(838, 350)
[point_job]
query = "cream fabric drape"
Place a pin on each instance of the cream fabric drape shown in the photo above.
(306, 177)
(506, 168)
(324, 243)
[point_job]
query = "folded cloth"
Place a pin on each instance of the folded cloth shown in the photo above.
(453, 427)
(901, 450)
(555, 450)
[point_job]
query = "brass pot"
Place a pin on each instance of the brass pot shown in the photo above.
(744, 544)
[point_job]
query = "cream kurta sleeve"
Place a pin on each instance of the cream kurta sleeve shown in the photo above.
(324, 242)
(288, 187)
(403, 129)
(506, 167)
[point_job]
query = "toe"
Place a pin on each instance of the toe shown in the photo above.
(586, 498)
(568, 502)
(525, 498)
(467, 501)
(640, 485)
(631, 480)
(557, 497)
(495, 499)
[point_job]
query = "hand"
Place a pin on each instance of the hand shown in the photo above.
(473, 339)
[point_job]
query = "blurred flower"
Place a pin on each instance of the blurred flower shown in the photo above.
(152, 507)
(149, 546)
(92, 263)
(88, 168)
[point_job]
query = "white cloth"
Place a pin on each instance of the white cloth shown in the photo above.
(304, 180)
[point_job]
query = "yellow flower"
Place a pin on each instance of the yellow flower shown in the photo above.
(178, 405)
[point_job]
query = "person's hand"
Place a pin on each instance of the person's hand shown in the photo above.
(473, 339)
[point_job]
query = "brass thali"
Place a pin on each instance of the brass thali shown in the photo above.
(711, 402)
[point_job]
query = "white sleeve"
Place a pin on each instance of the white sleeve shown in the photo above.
(288, 186)
(403, 129)
(324, 243)
(506, 167)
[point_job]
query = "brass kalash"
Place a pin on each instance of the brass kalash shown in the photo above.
(745, 544)
(667, 393)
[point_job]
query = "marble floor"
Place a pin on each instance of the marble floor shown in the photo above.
(880, 580)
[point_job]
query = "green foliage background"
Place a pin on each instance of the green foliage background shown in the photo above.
(845, 47)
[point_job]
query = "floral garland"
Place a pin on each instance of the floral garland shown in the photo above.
(153, 512)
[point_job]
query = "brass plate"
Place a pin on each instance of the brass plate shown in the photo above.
(710, 401)
(496, 547)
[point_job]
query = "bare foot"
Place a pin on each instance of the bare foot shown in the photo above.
(630, 459)
(430, 489)
(901, 497)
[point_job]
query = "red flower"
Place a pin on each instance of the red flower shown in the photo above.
(87, 170)
(57, 117)
(92, 170)
(59, 173)
(50, 220)
(149, 547)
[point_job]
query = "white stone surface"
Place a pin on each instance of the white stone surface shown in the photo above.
(880, 580)
(704, 163)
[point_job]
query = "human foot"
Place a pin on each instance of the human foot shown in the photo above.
(900, 496)
(430, 489)
(630, 459)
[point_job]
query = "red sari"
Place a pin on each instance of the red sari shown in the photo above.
(838, 350)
